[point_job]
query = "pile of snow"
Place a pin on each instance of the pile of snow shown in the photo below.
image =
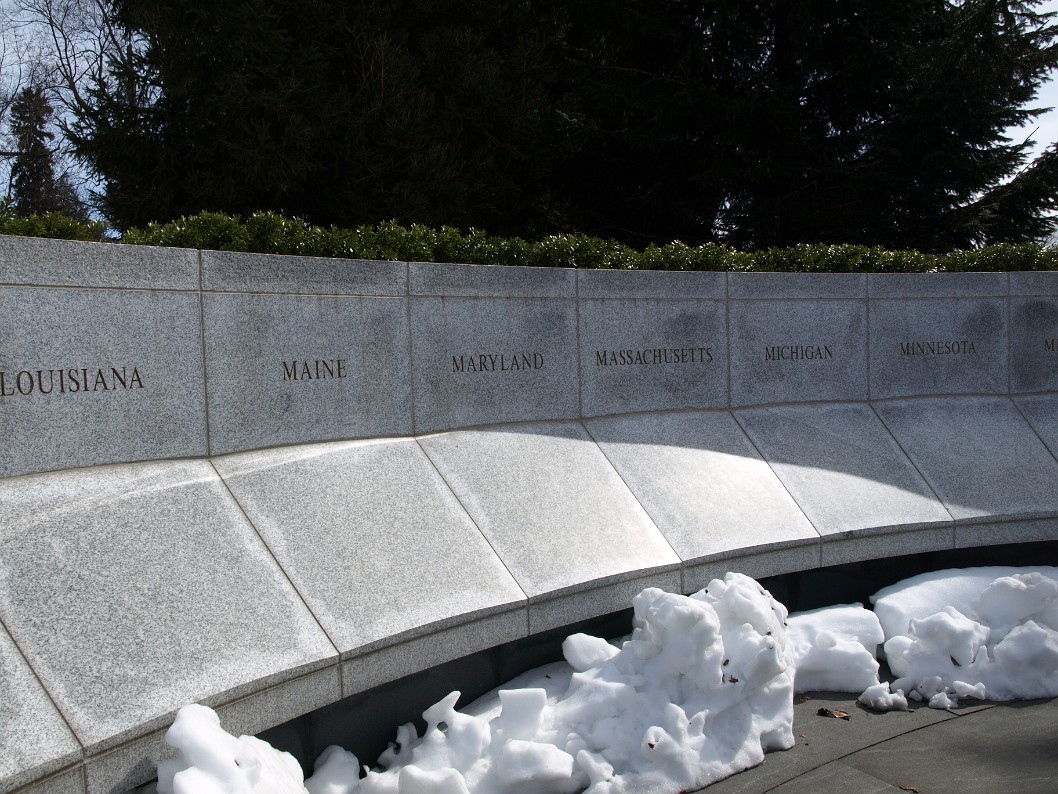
(980, 632)
(701, 690)
(834, 649)
(985, 633)
(212, 761)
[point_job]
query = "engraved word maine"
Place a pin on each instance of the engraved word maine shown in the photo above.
(497, 362)
(316, 369)
(653, 356)
(69, 381)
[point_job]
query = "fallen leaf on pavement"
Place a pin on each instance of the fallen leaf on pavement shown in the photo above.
(841, 715)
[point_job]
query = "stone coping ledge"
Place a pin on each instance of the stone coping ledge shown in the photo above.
(271, 583)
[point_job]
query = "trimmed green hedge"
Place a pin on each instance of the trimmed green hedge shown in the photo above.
(271, 234)
(51, 224)
(268, 233)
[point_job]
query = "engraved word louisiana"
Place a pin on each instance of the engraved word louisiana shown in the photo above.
(70, 380)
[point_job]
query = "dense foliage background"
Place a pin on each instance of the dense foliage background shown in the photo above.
(748, 123)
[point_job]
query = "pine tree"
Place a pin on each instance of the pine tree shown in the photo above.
(753, 122)
(32, 172)
(337, 112)
(766, 123)
(35, 189)
(882, 123)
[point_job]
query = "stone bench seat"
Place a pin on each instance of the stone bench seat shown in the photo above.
(269, 543)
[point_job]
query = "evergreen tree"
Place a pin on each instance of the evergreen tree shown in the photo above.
(883, 124)
(764, 123)
(337, 112)
(752, 122)
(34, 187)
(32, 172)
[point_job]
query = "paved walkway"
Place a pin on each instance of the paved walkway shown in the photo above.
(984, 747)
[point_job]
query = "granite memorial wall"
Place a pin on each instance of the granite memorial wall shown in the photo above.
(266, 483)
(116, 354)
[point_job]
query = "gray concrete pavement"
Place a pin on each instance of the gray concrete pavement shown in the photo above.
(983, 747)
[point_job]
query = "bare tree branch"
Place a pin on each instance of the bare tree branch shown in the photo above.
(68, 48)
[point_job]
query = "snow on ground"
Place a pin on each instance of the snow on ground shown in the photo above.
(702, 689)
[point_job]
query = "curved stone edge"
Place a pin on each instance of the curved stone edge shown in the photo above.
(907, 475)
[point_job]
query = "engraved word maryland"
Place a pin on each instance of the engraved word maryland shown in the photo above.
(497, 362)
(69, 381)
(653, 356)
(940, 347)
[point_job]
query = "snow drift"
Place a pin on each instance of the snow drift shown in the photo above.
(701, 689)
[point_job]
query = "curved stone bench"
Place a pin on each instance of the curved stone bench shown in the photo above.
(291, 480)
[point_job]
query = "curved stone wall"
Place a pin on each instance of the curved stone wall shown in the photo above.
(267, 483)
